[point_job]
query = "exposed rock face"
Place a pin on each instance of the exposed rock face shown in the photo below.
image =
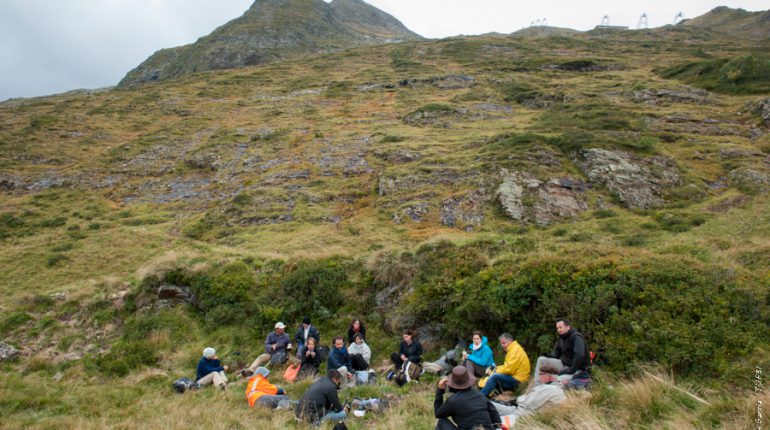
(664, 96)
(638, 182)
(753, 179)
(762, 108)
(465, 211)
(525, 198)
(274, 29)
(7, 352)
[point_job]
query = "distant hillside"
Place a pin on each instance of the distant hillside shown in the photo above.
(736, 22)
(272, 30)
(541, 31)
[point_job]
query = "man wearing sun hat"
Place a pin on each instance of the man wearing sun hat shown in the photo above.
(277, 347)
(468, 408)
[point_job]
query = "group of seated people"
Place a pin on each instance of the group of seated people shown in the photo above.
(467, 407)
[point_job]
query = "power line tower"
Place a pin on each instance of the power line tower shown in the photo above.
(678, 18)
(544, 23)
(642, 22)
(605, 21)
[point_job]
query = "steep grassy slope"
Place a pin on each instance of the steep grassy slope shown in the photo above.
(244, 184)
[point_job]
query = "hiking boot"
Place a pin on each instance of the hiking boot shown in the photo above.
(245, 373)
(390, 375)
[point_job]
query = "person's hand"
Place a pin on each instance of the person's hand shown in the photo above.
(403, 357)
(564, 382)
(350, 376)
(465, 355)
(309, 353)
(275, 345)
(226, 368)
(442, 383)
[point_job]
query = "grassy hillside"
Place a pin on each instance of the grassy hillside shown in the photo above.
(444, 185)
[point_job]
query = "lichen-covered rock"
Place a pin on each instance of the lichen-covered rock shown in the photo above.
(762, 108)
(465, 211)
(752, 179)
(7, 352)
(526, 198)
(414, 212)
(637, 182)
(664, 96)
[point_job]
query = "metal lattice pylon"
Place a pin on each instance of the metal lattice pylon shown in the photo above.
(678, 18)
(606, 21)
(642, 22)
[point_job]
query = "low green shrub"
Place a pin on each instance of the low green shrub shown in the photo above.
(747, 74)
(13, 321)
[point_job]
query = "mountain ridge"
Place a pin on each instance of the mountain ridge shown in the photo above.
(271, 30)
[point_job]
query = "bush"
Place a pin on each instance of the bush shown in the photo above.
(228, 285)
(679, 222)
(694, 319)
(314, 287)
(125, 356)
(748, 74)
(392, 139)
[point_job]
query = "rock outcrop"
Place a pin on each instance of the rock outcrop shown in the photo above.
(526, 198)
(637, 182)
(7, 352)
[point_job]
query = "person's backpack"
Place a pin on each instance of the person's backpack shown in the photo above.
(184, 384)
(323, 352)
(340, 426)
(413, 371)
(279, 357)
(290, 375)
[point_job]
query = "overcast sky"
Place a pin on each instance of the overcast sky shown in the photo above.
(52, 46)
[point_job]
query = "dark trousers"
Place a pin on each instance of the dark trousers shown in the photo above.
(445, 424)
(358, 362)
(397, 361)
(474, 369)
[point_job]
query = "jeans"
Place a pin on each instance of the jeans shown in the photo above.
(505, 382)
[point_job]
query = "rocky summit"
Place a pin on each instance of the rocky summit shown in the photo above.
(274, 29)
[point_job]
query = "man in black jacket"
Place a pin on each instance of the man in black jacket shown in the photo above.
(468, 408)
(569, 356)
(320, 402)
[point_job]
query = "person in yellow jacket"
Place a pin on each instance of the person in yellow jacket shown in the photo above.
(260, 391)
(512, 373)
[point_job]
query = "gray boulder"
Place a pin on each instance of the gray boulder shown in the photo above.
(7, 352)
(638, 182)
(526, 198)
(749, 178)
(665, 96)
(465, 211)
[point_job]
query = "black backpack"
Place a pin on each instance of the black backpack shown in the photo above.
(184, 384)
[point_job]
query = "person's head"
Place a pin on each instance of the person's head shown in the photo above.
(358, 339)
(209, 353)
(335, 377)
(356, 324)
(460, 379)
(506, 340)
(339, 342)
(408, 336)
(310, 344)
(562, 326)
(279, 327)
(306, 322)
(477, 337)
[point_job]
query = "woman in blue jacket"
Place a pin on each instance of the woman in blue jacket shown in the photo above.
(478, 358)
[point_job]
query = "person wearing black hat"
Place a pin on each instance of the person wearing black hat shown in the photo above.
(468, 408)
(304, 331)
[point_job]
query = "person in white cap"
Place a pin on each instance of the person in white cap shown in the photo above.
(277, 346)
(210, 370)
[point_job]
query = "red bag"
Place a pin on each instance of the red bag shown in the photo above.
(290, 375)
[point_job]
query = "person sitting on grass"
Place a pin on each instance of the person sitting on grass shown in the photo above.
(360, 354)
(468, 408)
(339, 360)
(480, 357)
(259, 391)
(320, 402)
(277, 347)
(513, 372)
(311, 360)
(210, 370)
(570, 355)
(409, 350)
(305, 332)
(356, 327)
